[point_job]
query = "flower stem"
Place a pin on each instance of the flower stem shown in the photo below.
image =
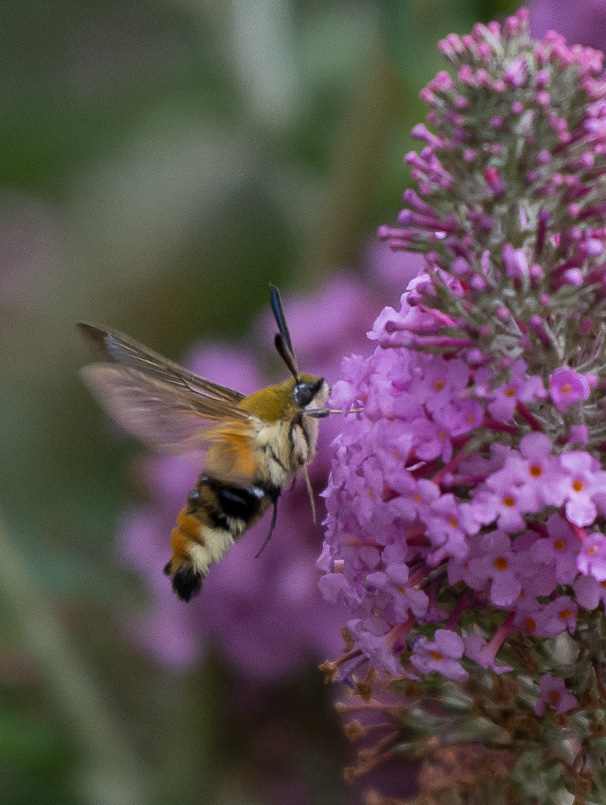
(525, 414)
(114, 776)
(365, 130)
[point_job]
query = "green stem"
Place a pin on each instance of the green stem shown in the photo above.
(359, 154)
(112, 774)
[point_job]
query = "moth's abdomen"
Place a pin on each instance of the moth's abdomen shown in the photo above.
(216, 514)
(195, 546)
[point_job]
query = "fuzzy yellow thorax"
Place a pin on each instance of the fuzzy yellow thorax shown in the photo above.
(275, 402)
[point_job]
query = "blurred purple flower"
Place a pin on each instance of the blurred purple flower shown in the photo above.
(582, 22)
(393, 269)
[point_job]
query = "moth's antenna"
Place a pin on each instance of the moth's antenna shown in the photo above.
(282, 339)
(286, 355)
(276, 306)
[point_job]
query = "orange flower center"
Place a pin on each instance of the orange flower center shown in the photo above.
(501, 563)
(439, 385)
(578, 485)
(508, 502)
(536, 470)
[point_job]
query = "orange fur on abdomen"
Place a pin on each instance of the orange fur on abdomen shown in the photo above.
(188, 530)
(196, 544)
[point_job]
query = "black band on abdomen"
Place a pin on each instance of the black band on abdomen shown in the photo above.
(239, 502)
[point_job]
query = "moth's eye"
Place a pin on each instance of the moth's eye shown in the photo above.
(303, 394)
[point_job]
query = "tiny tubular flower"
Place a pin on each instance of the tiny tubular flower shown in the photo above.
(567, 387)
(554, 695)
(442, 654)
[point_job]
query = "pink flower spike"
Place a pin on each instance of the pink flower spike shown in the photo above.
(554, 695)
(567, 387)
(472, 488)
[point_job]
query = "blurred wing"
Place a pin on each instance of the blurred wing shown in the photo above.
(160, 415)
(125, 351)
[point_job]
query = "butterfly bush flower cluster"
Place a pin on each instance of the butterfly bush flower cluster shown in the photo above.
(467, 500)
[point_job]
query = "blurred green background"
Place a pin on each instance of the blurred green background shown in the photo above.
(162, 161)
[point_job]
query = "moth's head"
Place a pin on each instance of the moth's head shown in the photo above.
(309, 392)
(306, 395)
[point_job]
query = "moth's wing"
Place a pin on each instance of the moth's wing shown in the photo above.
(123, 350)
(166, 416)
